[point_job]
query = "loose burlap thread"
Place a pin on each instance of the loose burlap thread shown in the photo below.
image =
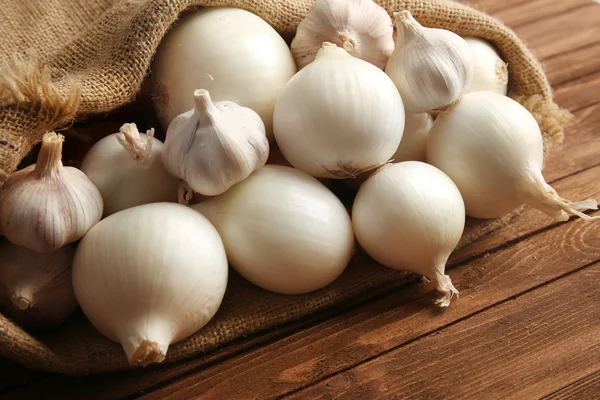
(91, 56)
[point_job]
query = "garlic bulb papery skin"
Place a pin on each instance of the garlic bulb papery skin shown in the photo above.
(339, 116)
(46, 205)
(283, 230)
(232, 53)
(36, 289)
(149, 276)
(361, 27)
(432, 68)
(128, 170)
(410, 216)
(491, 147)
(215, 145)
(490, 72)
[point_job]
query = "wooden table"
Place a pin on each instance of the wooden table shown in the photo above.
(527, 324)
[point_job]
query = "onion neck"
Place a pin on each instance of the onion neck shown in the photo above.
(149, 347)
(129, 137)
(328, 49)
(49, 162)
(444, 285)
(537, 193)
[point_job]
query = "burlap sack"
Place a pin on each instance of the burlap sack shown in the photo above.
(92, 56)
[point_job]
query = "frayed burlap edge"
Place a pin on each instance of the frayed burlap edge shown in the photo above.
(30, 105)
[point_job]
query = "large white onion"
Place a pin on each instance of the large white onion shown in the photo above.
(283, 230)
(230, 52)
(149, 276)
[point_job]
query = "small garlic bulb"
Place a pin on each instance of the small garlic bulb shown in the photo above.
(128, 170)
(491, 72)
(360, 27)
(149, 276)
(46, 205)
(432, 68)
(36, 289)
(215, 145)
(410, 216)
(338, 117)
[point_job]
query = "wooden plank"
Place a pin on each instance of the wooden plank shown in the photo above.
(580, 93)
(564, 32)
(494, 6)
(587, 388)
(517, 350)
(575, 64)
(397, 319)
(537, 10)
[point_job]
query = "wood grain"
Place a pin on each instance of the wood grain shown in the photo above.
(397, 319)
(564, 32)
(565, 67)
(587, 388)
(517, 350)
(536, 10)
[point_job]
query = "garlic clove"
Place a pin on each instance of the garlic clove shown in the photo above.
(36, 288)
(361, 27)
(127, 169)
(45, 206)
(490, 71)
(432, 68)
(215, 145)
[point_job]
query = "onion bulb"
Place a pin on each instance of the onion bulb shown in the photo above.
(230, 52)
(150, 276)
(127, 169)
(339, 116)
(410, 216)
(283, 230)
(36, 289)
(491, 147)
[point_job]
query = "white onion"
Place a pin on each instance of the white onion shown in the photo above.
(491, 147)
(230, 52)
(338, 116)
(410, 216)
(132, 176)
(150, 276)
(283, 230)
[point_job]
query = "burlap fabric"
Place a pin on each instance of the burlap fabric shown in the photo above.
(63, 59)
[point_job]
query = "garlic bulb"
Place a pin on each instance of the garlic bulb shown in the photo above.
(149, 276)
(339, 116)
(432, 68)
(45, 206)
(215, 145)
(410, 216)
(490, 72)
(491, 147)
(127, 169)
(360, 27)
(36, 289)
(283, 230)
(232, 53)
